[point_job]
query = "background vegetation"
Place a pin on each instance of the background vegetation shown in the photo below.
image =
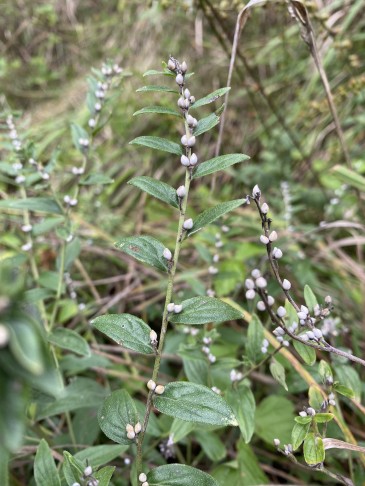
(278, 114)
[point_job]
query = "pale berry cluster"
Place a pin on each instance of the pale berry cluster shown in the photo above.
(159, 389)
(255, 285)
(133, 431)
(207, 341)
(309, 411)
(88, 478)
(143, 479)
(235, 375)
(174, 308)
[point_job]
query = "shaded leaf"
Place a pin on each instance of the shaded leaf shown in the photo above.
(212, 445)
(95, 178)
(255, 336)
(156, 188)
(310, 298)
(45, 471)
(218, 163)
(158, 144)
(350, 177)
(127, 330)
(161, 110)
(210, 215)
(313, 449)
(145, 249)
(70, 340)
(155, 88)
(205, 124)
(100, 454)
(344, 390)
(194, 403)
(307, 353)
(201, 310)
(322, 418)
(38, 204)
(210, 97)
(179, 475)
(242, 402)
(117, 411)
(273, 419)
(278, 372)
(298, 434)
(249, 467)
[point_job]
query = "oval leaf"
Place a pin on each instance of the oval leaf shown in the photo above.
(156, 188)
(205, 124)
(194, 403)
(212, 214)
(313, 450)
(201, 310)
(45, 471)
(158, 144)
(70, 340)
(39, 204)
(98, 455)
(255, 336)
(95, 178)
(179, 475)
(158, 89)
(310, 298)
(127, 330)
(242, 402)
(218, 163)
(322, 418)
(162, 110)
(211, 97)
(117, 411)
(298, 434)
(278, 372)
(307, 353)
(145, 249)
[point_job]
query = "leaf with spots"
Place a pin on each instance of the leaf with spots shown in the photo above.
(145, 249)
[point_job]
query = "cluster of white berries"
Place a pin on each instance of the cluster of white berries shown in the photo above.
(257, 282)
(133, 431)
(13, 134)
(331, 399)
(159, 389)
(189, 161)
(216, 390)
(84, 142)
(87, 475)
(27, 246)
(167, 447)
(69, 200)
(77, 170)
(44, 175)
(279, 333)
(143, 479)
(235, 375)
(207, 341)
(184, 102)
(193, 331)
(308, 412)
(264, 346)
(288, 448)
(176, 308)
(102, 86)
(273, 236)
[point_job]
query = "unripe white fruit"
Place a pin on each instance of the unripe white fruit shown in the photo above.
(286, 284)
(167, 254)
(302, 315)
(179, 79)
(249, 283)
(193, 159)
(191, 141)
(142, 477)
(187, 93)
(178, 308)
(88, 471)
(181, 103)
(137, 428)
(281, 312)
(265, 208)
(305, 309)
(261, 282)
(184, 67)
(277, 253)
(188, 224)
(171, 65)
(256, 191)
(151, 385)
(192, 99)
(129, 428)
(264, 239)
(276, 442)
(250, 294)
(270, 300)
(159, 389)
(317, 333)
(184, 140)
(145, 484)
(310, 334)
(273, 236)
(170, 307)
(255, 273)
(184, 160)
(261, 306)
(153, 336)
(181, 191)
(303, 414)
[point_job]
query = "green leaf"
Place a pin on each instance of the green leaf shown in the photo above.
(205, 124)
(313, 449)
(117, 411)
(315, 397)
(157, 89)
(201, 310)
(47, 225)
(242, 402)
(78, 132)
(179, 475)
(210, 97)
(72, 468)
(104, 475)
(298, 435)
(73, 250)
(156, 188)
(127, 330)
(255, 336)
(344, 390)
(325, 371)
(303, 420)
(307, 353)
(95, 178)
(39, 204)
(4, 467)
(349, 177)
(249, 467)
(348, 374)
(180, 429)
(100, 454)
(196, 366)
(161, 110)
(211, 444)
(80, 393)
(45, 471)
(145, 249)
(310, 298)
(273, 419)
(158, 144)
(70, 340)
(278, 372)
(152, 72)
(218, 163)
(210, 215)
(194, 403)
(322, 418)
(25, 344)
